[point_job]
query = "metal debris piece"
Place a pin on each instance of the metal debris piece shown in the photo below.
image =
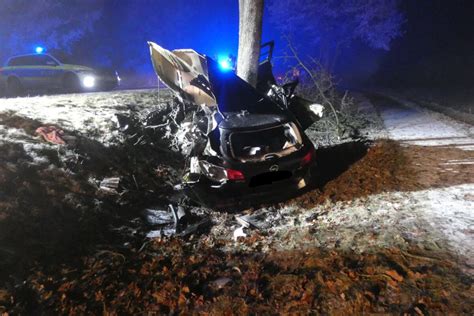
(246, 221)
(159, 233)
(176, 221)
(110, 185)
(239, 232)
(221, 282)
(158, 217)
(317, 109)
(256, 220)
(191, 229)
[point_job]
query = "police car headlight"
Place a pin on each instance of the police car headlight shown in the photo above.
(88, 81)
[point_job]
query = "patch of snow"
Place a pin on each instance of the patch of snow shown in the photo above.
(451, 215)
(440, 218)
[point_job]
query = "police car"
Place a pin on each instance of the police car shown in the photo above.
(45, 73)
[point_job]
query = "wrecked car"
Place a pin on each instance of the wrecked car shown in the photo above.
(241, 143)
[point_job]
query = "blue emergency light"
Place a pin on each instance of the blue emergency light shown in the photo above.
(225, 64)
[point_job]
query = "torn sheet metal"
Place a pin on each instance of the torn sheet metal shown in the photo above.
(175, 221)
(110, 185)
(185, 72)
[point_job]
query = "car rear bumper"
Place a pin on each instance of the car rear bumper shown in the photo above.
(237, 195)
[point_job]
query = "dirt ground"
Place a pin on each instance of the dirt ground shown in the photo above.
(358, 241)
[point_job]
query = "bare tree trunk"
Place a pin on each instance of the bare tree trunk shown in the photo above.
(250, 37)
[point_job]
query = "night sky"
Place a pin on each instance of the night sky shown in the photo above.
(437, 36)
(437, 47)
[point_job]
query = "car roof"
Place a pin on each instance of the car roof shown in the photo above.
(27, 55)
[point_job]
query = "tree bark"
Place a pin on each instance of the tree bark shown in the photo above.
(250, 37)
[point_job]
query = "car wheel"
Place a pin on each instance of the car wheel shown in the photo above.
(14, 87)
(71, 84)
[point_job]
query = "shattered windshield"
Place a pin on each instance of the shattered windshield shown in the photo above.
(255, 145)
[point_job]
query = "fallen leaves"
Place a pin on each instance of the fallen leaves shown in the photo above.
(175, 277)
(394, 275)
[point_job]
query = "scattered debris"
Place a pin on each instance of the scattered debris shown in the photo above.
(175, 221)
(179, 216)
(158, 217)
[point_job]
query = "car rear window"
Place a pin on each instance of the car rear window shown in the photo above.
(255, 145)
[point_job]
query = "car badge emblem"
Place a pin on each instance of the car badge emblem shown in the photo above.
(274, 168)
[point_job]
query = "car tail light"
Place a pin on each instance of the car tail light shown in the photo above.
(234, 174)
(308, 158)
(219, 174)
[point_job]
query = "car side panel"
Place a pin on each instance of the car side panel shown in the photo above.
(31, 77)
(37, 77)
(47, 77)
(56, 77)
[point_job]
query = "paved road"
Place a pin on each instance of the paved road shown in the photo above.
(412, 124)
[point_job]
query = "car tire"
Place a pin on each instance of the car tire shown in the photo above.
(14, 87)
(71, 84)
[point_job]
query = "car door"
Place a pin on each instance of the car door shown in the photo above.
(22, 67)
(28, 69)
(45, 72)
